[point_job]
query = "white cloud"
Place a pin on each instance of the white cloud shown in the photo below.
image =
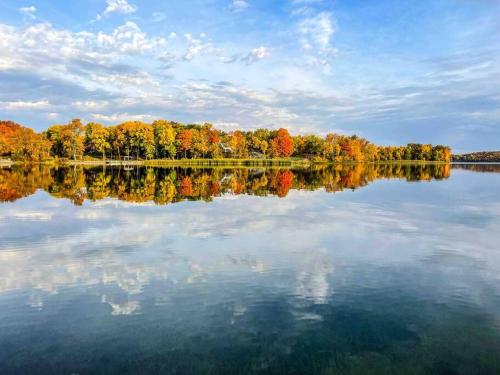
(21, 105)
(315, 38)
(121, 117)
(255, 55)
(198, 47)
(316, 31)
(239, 5)
(89, 105)
(117, 6)
(42, 42)
(129, 39)
(28, 11)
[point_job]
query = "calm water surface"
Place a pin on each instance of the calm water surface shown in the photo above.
(368, 269)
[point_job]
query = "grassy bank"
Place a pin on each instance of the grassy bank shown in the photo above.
(275, 162)
(284, 162)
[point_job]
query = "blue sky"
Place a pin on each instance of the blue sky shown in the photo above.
(391, 71)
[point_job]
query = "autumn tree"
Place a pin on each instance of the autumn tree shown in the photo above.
(116, 140)
(313, 145)
(138, 137)
(53, 134)
(441, 153)
(164, 138)
(237, 143)
(67, 140)
(213, 142)
(331, 147)
(200, 143)
(72, 138)
(184, 141)
(426, 151)
(97, 139)
(282, 144)
(203, 140)
(7, 131)
(260, 140)
(27, 145)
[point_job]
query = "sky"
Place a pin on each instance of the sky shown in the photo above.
(391, 71)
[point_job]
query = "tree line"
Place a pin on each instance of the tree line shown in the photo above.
(171, 140)
(170, 185)
(478, 157)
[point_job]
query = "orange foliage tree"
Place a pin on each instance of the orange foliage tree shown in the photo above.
(282, 144)
(185, 141)
(163, 139)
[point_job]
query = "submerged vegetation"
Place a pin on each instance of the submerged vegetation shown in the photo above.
(166, 140)
(170, 185)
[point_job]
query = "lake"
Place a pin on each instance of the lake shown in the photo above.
(380, 269)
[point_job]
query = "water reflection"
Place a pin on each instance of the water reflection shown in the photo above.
(484, 167)
(163, 186)
(394, 278)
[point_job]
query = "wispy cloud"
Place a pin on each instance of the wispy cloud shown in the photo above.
(198, 46)
(158, 17)
(315, 36)
(117, 6)
(239, 5)
(22, 105)
(308, 65)
(255, 55)
(28, 11)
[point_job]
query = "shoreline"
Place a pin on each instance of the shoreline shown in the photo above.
(289, 162)
(194, 162)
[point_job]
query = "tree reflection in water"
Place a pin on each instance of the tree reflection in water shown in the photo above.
(170, 185)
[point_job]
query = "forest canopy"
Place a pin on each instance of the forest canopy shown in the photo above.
(164, 139)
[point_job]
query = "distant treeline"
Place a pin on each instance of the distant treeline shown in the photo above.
(171, 140)
(479, 157)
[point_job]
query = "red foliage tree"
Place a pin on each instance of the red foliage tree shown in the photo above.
(213, 136)
(282, 144)
(185, 139)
